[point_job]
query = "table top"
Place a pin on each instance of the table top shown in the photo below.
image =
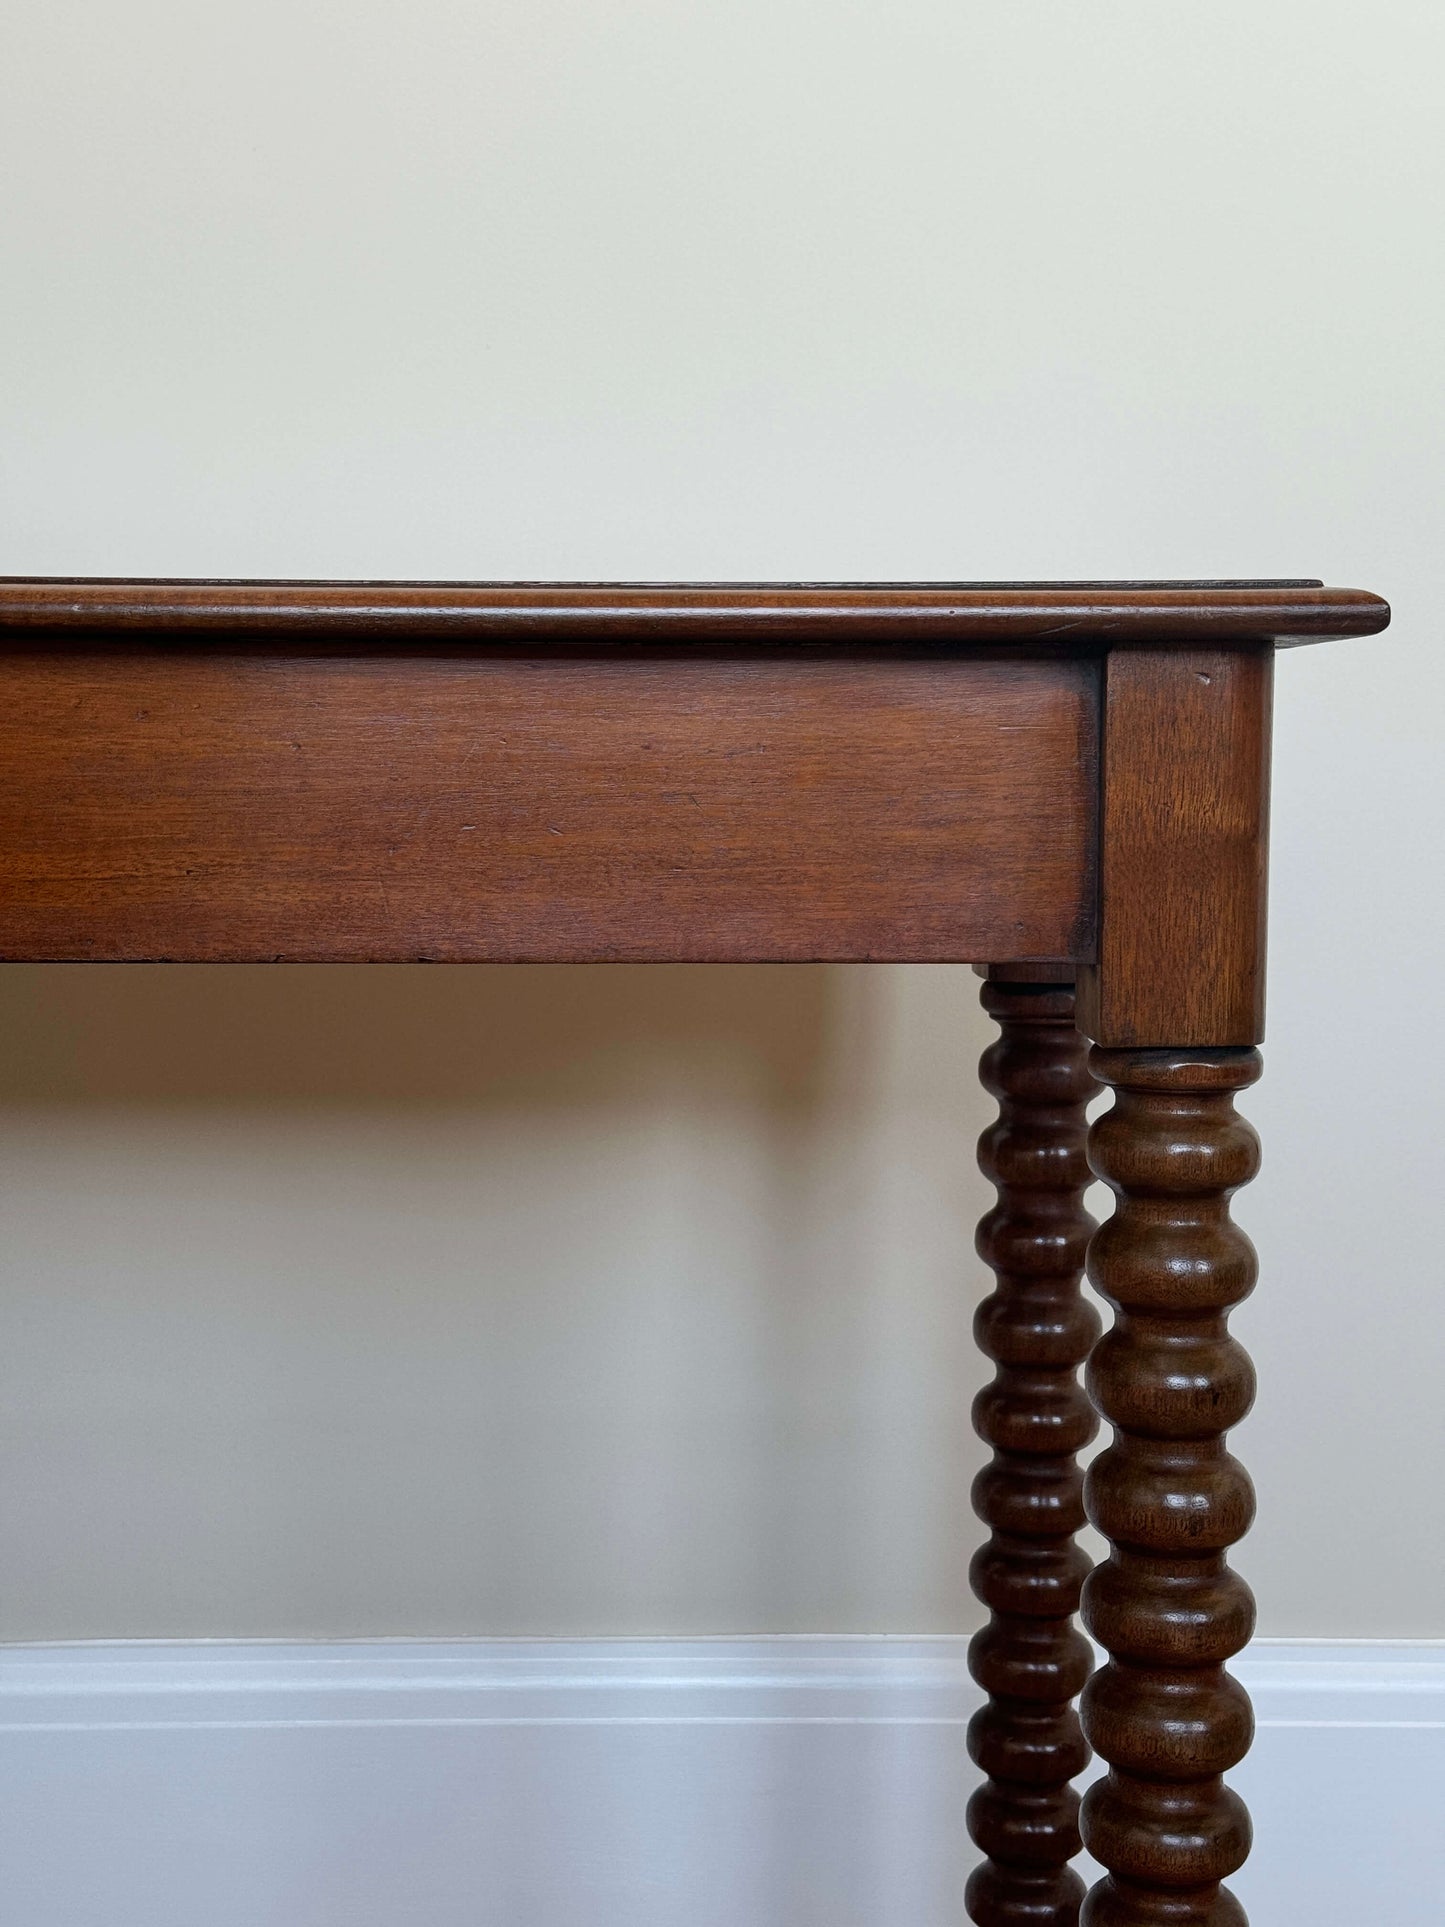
(960, 616)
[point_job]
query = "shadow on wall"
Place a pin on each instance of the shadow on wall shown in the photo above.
(603, 1299)
(319, 1034)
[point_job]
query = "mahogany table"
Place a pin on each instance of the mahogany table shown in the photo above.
(1064, 783)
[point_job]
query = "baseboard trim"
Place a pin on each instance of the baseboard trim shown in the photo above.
(597, 1783)
(164, 1685)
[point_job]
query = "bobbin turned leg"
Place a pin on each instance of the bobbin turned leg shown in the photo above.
(1167, 1496)
(1173, 1000)
(1031, 1658)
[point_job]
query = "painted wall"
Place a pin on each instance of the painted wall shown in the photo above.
(613, 1300)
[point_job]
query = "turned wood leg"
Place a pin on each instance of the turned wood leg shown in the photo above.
(1031, 1658)
(1165, 1606)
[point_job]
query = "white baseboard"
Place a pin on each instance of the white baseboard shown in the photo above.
(629, 1783)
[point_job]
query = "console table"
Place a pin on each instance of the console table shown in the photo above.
(1065, 783)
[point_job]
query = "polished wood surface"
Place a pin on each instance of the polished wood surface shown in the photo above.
(1167, 1495)
(1036, 616)
(1031, 1659)
(1069, 777)
(1183, 824)
(256, 805)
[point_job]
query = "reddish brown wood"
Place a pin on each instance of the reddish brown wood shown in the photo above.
(1183, 841)
(580, 771)
(1167, 1495)
(258, 805)
(1038, 616)
(1030, 1658)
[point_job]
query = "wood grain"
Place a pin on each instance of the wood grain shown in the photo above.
(283, 804)
(1031, 1658)
(1183, 837)
(1038, 616)
(1168, 1497)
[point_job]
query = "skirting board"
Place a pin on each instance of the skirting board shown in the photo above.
(788, 1782)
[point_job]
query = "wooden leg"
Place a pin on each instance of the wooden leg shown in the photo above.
(1166, 1607)
(1031, 1658)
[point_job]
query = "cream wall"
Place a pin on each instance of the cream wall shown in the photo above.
(621, 1300)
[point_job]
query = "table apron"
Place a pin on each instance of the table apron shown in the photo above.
(251, 803)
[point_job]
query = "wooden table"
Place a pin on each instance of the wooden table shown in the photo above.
(1064, 783)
